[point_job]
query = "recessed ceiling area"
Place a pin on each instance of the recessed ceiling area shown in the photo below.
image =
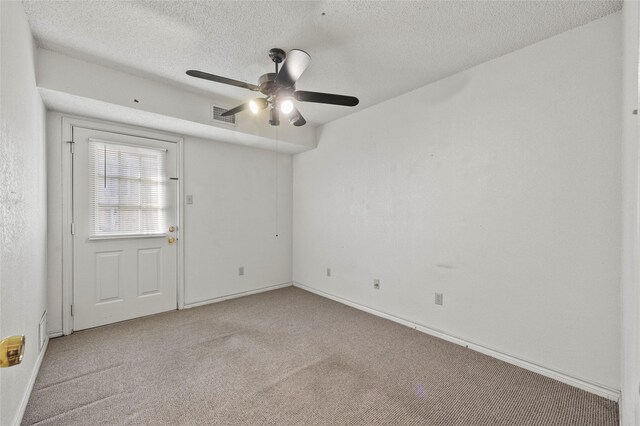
(371, 50)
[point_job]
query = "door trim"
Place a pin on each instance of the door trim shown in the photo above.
(68, 123)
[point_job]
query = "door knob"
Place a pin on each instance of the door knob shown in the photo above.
(171, 240)
(11, 351)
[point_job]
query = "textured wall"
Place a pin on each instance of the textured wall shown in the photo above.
(499, 187)
(22, 204)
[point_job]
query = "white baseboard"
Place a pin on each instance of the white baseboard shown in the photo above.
(236, 295)
(54, 334)
(595, 388)
(32, 380)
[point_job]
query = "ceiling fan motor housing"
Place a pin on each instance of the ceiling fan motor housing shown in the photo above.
(269, 87)
(267, 83)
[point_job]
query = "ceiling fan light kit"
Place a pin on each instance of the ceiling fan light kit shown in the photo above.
(280, 89)
(256, 105)
(286, 106)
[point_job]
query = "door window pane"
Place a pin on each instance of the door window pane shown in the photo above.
(127, 189)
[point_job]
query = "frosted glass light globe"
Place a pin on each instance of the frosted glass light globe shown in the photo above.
(286, 107)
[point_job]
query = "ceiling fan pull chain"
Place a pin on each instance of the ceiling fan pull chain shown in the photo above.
(277, 155)
(105, 165)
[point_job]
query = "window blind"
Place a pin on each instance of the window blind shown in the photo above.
(127, 190)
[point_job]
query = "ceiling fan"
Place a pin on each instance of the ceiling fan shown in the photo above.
(280, 88)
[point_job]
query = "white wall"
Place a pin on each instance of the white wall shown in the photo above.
(55, 223)
(231, 222)
(630, 285)
(498, 186)
(22, 206)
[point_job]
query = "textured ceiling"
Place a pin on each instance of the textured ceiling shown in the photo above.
(372, 50)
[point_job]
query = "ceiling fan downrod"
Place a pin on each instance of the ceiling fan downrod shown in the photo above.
(277, 56)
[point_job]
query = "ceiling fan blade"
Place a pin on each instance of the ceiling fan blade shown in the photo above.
(325, 98)
(223, 80)
(296, 118)
(294, 65)
(235, 110)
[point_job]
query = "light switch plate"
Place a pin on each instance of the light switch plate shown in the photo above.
(189, 199)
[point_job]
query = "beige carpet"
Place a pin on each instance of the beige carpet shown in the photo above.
(290, 357)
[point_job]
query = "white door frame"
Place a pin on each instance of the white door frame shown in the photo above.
(68, 123)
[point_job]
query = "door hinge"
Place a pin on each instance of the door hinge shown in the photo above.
(73, 228)
(71, 309)
(71, 145)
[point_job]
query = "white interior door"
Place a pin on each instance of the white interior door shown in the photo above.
(125, 227)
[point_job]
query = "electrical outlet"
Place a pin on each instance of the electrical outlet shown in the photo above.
(438, 299)
(328, 272)
(189, 199)
(376, 284)
(241, 270)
